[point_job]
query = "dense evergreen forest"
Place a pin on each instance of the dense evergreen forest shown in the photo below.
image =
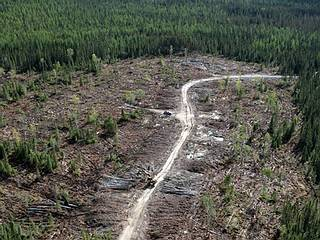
(275, 32)
(36, 34)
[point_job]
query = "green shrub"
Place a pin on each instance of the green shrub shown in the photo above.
(261, 86)
(33, 86)
(240, 145)
(14, 231)
(3, 151)
(283, 134)
(13, 91)
(95, 65)
(41, 97)
(115, 159)
(140, 94)
(23, 149)
(267, 197)
(135, 114)
(74, 168)
(81, 81)
(227, 188)
(126, 116)
(273, 102)
(131, 97)
(25, 152)
(6, 170)
(110, 127)
(56, 71)
(53, 144)
(82, 135)
(284, 82)
(273, 125)
(92, 117)
(267, 172)
(3, 121)
(224, 84)
(63, 195)
(266, 145)
(277, 137)
(239, 88)
(66, 78)
(43, 161)
(289, 129)
(70, 54)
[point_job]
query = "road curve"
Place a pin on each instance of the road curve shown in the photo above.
(185, 115)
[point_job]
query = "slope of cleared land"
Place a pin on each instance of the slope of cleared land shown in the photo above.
(227, 182)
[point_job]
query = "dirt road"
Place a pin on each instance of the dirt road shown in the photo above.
(186, 116)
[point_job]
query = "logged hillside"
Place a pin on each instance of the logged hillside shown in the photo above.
(77, 149)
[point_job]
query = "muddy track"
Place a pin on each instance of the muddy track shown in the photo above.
(186, 116)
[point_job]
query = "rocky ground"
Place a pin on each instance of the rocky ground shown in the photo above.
(218, 188)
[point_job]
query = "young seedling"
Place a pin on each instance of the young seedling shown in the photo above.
(267, 172)
(92, 117)
(171, 51)
(74, 167)
(208, 205)
(227, 188)
(96, 64)
(3, 121)
(12, 91)
(110, 127)
(129, 97)
(267, 197)
(115, 160)
(70, 54)
(239, 89)
(41, 97)
(224, 84)
(82, 135)
(272, 102)
(261, 86)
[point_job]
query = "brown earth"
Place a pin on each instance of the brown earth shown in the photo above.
(104, 192)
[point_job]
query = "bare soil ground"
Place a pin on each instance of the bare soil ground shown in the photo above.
(101, 195)
(249, 204)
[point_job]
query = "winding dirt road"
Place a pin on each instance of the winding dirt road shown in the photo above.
(186, 116)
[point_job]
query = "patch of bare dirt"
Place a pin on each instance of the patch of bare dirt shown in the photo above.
(103, 192)
(240, 187)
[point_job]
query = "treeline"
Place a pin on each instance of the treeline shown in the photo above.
(309, 100)
(274, 32)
